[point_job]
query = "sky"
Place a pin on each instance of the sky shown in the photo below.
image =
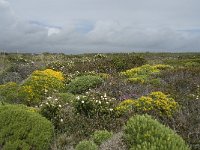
(86, 26)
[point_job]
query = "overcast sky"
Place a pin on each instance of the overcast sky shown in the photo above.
(80, 26)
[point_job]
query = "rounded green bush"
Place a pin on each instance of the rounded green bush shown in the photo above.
(144, 133)
(101, 136)
(86, 145)
(83, 83)
(22, 128)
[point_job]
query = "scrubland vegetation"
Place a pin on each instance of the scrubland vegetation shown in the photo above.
(136, 101)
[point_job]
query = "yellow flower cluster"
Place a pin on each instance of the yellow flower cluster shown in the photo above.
(156, 101)
(39, 85)
(143, 74)
(49, 72)
(125, 105)
(162, 67)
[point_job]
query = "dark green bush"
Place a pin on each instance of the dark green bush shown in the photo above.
(144, 133)
(101, 136)
(83, 83)
(22, 128)
(86, 145)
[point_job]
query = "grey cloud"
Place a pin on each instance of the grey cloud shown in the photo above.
(101, 32)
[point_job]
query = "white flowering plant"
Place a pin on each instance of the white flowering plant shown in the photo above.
(52, 110)
(94, 104)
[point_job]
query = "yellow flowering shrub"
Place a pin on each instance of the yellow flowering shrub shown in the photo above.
(39, 85)
(143, 74)
(156, 102)
(50, 72)
(124, 106)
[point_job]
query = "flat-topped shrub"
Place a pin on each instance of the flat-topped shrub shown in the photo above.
(22, 128)
(144, 133)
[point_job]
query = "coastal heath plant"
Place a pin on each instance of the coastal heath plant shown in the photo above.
(142, 132)
(157, 103)
(39, 85)
(23, 128)
(100, 136)
(82, 84)
(94, 104)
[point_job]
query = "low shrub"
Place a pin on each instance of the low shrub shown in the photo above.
(52, 110)
(156, 103)
(83, 83)
(144, 133)
(39, 85)
(86, 145)
(22, 128)
(94, 105)
(144, 74)
(125, 106)
(100, 136)
(9, 92)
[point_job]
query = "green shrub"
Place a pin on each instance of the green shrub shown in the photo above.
(101, 136)
(144, 133)
(86, 145)
(83, 83)
(22, 128)
(66, 97)
(9, 92)
(39, 85)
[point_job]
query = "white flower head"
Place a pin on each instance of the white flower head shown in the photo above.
(59, 106)
(78, 97)
(61, 120)
(99, 102)
(82, 101)
(111, 109)
(105, 95)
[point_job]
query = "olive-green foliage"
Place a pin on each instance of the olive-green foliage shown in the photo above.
(86, 145)
(83, 83)
(22, 128)
(66, 97)
(8, 92)
(101, 136)
(144, 133)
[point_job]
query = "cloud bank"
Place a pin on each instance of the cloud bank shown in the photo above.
(95, 35)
